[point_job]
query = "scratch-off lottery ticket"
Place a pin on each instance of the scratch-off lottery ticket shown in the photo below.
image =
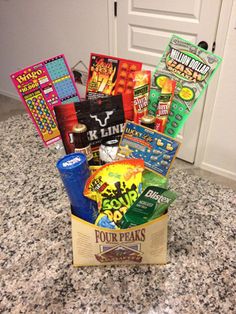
(41, 86)
(192, 68)
(156, 149)
(110, 76)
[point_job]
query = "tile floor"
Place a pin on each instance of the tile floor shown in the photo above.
(10, 107)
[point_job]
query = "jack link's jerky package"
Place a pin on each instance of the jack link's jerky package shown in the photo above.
(115, 187)
(104, 119)
(151, 204)
(192, 68)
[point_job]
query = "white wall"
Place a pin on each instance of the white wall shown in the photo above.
(33, 30)
(220, 145)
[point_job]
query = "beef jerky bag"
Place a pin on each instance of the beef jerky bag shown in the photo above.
(103, 117)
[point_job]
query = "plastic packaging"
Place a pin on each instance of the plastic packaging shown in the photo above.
(115, 187)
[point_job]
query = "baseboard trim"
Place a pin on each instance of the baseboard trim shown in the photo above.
(9, 94)
(218, 170)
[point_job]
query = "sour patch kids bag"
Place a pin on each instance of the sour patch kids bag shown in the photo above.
(115, 187)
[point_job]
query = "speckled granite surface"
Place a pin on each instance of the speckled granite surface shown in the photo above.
(36, 271)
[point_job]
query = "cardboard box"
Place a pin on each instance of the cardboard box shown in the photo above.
(143, 244)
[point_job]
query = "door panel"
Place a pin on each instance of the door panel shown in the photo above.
(188, 8)
(143, 29)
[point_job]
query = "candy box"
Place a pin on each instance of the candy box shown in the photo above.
(96, 246)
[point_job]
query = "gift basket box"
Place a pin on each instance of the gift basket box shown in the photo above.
(120, 144)
(144, 244)
(123, 225)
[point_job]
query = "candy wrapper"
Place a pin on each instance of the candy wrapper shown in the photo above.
(115, 187)
(141, 93)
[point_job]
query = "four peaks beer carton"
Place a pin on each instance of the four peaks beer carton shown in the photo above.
(144, 244)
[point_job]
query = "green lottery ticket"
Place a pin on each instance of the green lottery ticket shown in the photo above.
(192, 68)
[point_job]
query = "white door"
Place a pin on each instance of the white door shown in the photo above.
(143, 29)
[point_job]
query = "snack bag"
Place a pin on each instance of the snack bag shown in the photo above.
(164, 104)
(141, 93)
(151, 204)
(93, 168)
(115, 187)
(104, 119)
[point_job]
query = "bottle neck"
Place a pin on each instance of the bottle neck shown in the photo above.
(80, 140)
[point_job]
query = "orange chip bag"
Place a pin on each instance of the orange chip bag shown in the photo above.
(115, 187)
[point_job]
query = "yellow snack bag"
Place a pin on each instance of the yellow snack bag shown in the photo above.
(115, 187)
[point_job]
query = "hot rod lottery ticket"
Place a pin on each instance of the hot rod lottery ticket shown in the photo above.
(156, 149)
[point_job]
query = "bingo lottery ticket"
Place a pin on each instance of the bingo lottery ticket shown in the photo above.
(42, 86)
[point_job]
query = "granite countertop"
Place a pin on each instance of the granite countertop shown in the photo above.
(37, 275)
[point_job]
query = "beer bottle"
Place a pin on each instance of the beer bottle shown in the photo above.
(148, 121)
(81, 142)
